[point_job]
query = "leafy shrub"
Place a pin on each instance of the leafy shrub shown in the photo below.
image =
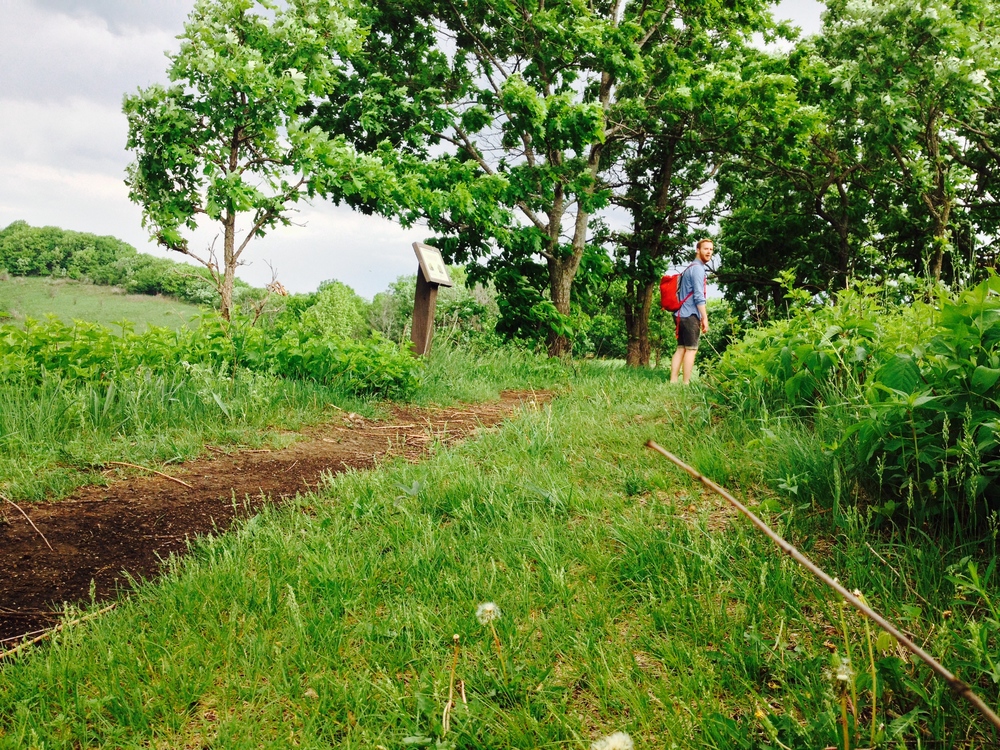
(462, 314)
(91, 353)
(337, 312)
(106, 261)
(914, 388)
(930, 416)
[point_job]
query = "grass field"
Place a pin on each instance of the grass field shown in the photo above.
(629, 600)
(35, 297)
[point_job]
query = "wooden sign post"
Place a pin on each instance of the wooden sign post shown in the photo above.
(431, 274)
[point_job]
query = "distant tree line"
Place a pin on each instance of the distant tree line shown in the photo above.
(107, 261)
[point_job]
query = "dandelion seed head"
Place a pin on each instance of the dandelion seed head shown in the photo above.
(616, 741)
(844, 672)
(487, 612)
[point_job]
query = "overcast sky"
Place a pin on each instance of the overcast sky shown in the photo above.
(64, 66)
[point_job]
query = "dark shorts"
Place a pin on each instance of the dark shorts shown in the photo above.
(689, 331)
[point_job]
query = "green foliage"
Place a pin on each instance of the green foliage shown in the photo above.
(106, 261)
(878, 159)
(337, 312)
(625, 592)
(53, 433)
(35, 297)
(932, 414)
(228, 138)
(510, 122)
(91, 353)
(913, 390)
(465, 313)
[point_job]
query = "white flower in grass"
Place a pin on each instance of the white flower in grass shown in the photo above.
(844, 672)
(487, 612)
(616, 741)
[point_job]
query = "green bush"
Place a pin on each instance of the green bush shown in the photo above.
(462, 314)
(337, 312)
(91, 353)
(914, 389)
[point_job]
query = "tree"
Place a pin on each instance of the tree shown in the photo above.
(519, 107)
(697, 105)
(871, 173)
(916, 72)
(798, 196)
(227, 140)
(506, 110)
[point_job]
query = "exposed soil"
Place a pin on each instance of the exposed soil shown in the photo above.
(106, 534)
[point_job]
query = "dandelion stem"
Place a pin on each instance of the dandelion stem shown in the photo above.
(496, 640)
(446, 716)
(843, 719)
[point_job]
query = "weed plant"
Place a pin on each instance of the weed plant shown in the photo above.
(630, 602)
(56, 432)
(907, 397)
(457, 372)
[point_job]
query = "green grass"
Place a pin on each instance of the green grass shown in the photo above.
(54, 437)
(34, 297)
(630, 602)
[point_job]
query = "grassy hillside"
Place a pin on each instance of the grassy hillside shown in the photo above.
(629, 601)
(35, 297)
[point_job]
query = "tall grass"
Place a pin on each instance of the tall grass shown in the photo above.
(454, 372)
(54, 435)
(629, 602)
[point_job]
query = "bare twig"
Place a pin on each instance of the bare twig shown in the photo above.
(957, 686)
(28, 519)
(48, 633)
(154, 471)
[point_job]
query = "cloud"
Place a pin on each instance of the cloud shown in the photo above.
(803, 13)
(326, 242)
(49, 56)
(124, 16)
(75, 133)
(63, 70)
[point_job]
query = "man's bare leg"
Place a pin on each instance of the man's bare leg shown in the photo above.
(675, 364)
(688, 364)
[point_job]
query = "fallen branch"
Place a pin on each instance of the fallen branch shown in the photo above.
(28, 519)
(49, 633)
(959, 687)
(154, 471)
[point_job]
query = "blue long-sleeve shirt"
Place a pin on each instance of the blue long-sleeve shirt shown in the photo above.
(693, 280)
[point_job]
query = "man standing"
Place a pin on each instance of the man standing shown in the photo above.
(692, 318)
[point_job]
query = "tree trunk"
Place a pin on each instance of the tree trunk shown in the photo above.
(638, 305)
(942, 240)
(229, 267)
(561, 274)
(942, 230)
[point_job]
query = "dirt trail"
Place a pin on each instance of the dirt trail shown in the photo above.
(100, 534)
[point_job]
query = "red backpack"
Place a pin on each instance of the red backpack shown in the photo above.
(669, 285)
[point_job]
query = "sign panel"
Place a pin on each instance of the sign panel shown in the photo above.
(432, 264)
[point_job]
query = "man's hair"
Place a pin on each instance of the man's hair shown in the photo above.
(702, 241)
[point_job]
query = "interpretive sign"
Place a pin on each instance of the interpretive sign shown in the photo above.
(432, 264)
(431, 274)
